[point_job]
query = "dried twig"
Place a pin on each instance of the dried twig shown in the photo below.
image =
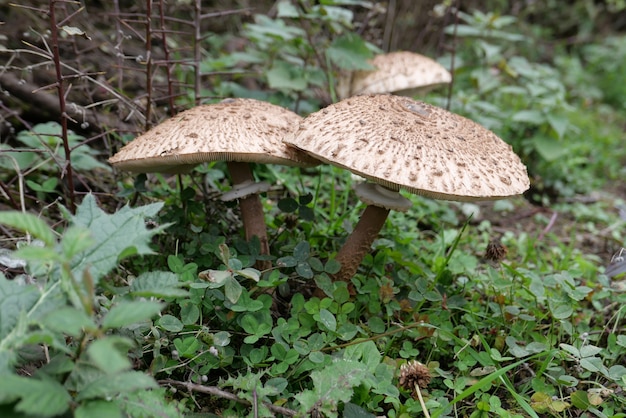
(215, 391)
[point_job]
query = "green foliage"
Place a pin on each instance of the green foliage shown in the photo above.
(87, 365)
(530, 104)
(540, 332)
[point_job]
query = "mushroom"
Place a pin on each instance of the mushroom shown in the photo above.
(238, 131)
(400, 143)
(400, 72)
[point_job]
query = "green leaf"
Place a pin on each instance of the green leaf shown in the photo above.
(98, 409)
(69, 321)
(250, 273)
(328, 319)
(559, 124)
(150, 403)
(16, 301)
(580, 400)
(29, 223)
(109, 386)
(75, 240)
(41, 398)
(127, 313)
(332, 385)
(189, 312)
(550, 149)
(116, 236)
(332, 266)
(232, 289)
(302, 251)
(158, 284)
(589, 350)
(48, 186)
(288, 205)
(304, 270)
(110, 353)
(286, 76)
(350, 52)
(287, 261)
(170, 323)
(187, 347)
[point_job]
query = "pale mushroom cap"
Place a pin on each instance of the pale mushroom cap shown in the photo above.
(399, 72)
(402, 143)
(244, 130)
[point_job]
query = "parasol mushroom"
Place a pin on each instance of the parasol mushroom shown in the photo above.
(238, 131)
(401, 72)
(400, 143)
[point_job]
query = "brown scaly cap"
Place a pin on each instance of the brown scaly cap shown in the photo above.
(402, 143)
(400, 72)
(244, 130)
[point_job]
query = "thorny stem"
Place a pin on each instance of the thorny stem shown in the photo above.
(166, 53)
(67, 169)
(148, 62)
(453, 55)
(197, 39)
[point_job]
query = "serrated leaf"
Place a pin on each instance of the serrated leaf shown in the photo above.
(333, 384)
(350, 52)
(127, 313)
(41, 398)
(29, 223)
(109, 386)
(150, 403)
(110, 353)
(34, 253)
(158, 284)
(75, 239)
(115, 236)
(15, 301)
(98, 409)
(69, 321)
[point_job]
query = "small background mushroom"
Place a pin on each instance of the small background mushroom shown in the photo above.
(400, 72)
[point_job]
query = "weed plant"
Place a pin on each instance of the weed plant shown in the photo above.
(154, 308)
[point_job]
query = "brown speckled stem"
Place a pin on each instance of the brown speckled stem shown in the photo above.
(251, 209)
(360, 241)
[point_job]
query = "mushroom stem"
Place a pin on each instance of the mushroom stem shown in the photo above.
(251, 209)
(360, 241)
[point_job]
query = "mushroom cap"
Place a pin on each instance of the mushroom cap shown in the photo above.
(402, 143)
(400, 72)
(244, 130)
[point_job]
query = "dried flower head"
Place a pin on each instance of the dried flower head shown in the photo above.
(495, 251)
(414, 373)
